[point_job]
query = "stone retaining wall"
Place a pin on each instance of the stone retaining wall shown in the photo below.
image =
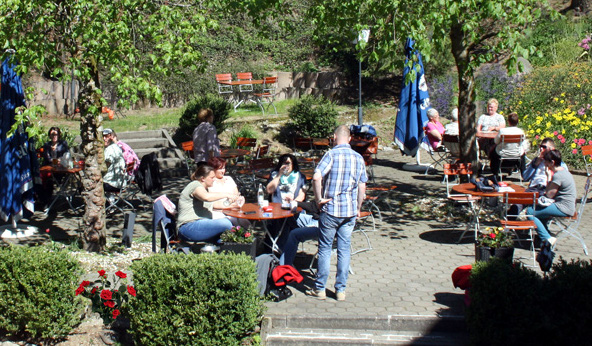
(56, 96)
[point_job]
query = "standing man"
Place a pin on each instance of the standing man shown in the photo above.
(339, 185)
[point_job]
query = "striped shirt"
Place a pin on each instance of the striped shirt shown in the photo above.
(342, 170)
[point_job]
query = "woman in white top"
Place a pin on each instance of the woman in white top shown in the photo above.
(492, 121)
(225, 184)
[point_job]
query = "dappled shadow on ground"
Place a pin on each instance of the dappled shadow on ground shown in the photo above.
(447, 236)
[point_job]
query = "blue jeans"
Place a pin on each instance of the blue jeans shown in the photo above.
(206, 230)
(330, 226)
(296, 237)
(541, 218)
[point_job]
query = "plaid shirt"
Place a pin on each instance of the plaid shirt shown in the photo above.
(342, 170)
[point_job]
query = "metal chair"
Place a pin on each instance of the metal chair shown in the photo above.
(124, 194)
(452, 144)
(189, 158)
(224, 89)
(510, 222)
(245, 76)
(452, 175)
(261, 151)
(518, 140)
(568, 226)
(439, 155)
(267, 95)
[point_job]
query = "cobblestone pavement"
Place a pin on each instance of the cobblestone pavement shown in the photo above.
(407, 272)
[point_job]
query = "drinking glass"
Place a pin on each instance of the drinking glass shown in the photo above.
(240, 201)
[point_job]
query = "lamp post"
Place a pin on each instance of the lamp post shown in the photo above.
(362, 39)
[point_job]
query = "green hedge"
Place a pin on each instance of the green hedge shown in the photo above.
(513, 305)
(37, 292)
(188, 120)
(205, 299)
(313, 117)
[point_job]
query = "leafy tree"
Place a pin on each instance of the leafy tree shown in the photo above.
(122, 41)
(475, 32)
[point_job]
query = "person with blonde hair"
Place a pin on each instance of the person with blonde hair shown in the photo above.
(205, 138)
(492, 121)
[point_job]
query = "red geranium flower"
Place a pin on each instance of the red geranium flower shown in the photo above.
(85, 283)
(247, 235)
(110, 304)
(79, 290)
(116, 313)
(492, 235)
(121, 274)
(106, 294)
(102, 273)
(94, 290)
(131, 290)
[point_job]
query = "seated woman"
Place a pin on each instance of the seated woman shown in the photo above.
(301, 234)
(509, 149)
(434, 128)
(196, 203)
(225, 184)
(560, 187)
(287, 184)
(56, 148)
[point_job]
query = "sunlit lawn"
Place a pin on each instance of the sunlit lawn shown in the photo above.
(157, 118)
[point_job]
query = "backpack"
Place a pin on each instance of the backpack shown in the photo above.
(364, 131)
(148, 175)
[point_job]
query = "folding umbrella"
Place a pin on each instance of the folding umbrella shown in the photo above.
(16, 183)
(413, 104)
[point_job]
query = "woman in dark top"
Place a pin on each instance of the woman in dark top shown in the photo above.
(55, 148)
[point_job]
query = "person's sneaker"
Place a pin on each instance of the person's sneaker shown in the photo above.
(552, 241)
(340, 296)
(322, 295)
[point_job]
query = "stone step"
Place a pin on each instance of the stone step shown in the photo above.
(337, 337)
(148, 142)
(125, 136)
(162, 152)
(361, 330)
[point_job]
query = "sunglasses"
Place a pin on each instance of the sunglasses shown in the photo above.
(543, 147)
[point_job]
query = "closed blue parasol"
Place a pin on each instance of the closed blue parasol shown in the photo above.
(413, 104)
(16, 183)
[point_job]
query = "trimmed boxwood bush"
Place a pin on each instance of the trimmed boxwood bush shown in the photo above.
(37, 292)
(513, 305)
(205, 299)
(188, 120)
(313, 117)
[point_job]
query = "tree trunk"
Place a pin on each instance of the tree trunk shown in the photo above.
(93, 222)
(466, 96)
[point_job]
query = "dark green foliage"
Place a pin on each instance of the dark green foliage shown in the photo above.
(313, 117)
(505, 305)
(37, 292)
(188, 120)
(205, 299)
(571, 304)
(513, 305)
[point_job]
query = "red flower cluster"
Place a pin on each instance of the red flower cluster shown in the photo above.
(492, 235)
(109, 301)
(106, 294)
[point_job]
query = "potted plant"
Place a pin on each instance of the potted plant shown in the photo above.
(238, 240)
(494, 242)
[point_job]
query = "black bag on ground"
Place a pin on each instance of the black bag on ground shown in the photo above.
(545, 257)
(148, 176)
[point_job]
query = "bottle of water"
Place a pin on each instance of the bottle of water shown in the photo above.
(260, 195)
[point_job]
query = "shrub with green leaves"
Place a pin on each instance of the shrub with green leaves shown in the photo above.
(569, 313)
(37, 292)
(188, 120)
(506, 306)
(555, 102)
(245, 131)
(205, 299)
(313, 117)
